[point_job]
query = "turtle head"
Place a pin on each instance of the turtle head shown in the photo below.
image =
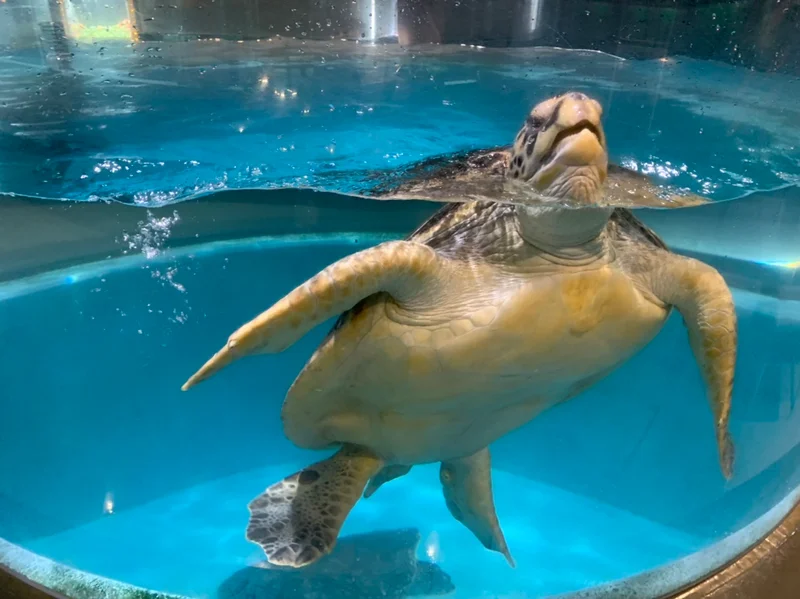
(561, 149)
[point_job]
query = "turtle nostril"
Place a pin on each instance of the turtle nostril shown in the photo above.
(578, 96)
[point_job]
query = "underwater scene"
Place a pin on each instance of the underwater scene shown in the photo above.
(201, 182)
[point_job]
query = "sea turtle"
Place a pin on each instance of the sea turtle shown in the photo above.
(482, 318)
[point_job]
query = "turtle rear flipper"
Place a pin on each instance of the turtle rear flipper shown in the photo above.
(297, 520)
(399, 268)
(386, 474)
(467, 484)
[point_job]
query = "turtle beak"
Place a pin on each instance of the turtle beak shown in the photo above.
(576, 136)
(579, 145)
(561, 151)
(575, 162)
(576, 166)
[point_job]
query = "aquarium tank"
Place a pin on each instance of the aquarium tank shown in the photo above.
(528, 266)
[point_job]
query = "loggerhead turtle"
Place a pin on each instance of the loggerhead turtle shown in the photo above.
(482, 318)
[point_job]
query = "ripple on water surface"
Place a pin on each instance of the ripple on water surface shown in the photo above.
(270, 114)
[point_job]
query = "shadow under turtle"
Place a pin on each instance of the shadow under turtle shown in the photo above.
(379, 565)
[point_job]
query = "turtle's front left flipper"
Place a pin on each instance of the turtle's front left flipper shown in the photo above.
(467, 484)
(399, 268)
(704, 300)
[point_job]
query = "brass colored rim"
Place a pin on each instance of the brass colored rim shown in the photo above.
(769, 570)
(16, 586)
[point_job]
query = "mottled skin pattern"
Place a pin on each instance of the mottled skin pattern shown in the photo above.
(484, 317)
(336, 485)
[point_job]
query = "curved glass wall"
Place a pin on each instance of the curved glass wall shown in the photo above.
(170, 171)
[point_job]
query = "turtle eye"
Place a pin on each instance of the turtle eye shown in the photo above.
(535, 121)
(527, 136)
(530, 144)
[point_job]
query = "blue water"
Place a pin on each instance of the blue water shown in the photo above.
(158, 123)
(620, 480)
(190, 542)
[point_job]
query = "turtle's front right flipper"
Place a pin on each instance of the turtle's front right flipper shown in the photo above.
(399, 268)
(704, 300)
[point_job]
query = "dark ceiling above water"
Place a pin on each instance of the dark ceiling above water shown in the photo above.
(759, 33)
(763, 34)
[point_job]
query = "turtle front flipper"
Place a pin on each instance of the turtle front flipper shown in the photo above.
(467, 486)
(399, 268)
(297, 520)
(704, 300)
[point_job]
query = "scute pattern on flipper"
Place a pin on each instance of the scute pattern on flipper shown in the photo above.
(460, 231)
(475, 171)
(637, 246)
(297, 520)
(624, 226)
(470, 231)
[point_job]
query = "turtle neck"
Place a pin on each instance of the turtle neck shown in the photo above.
(574, 235)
